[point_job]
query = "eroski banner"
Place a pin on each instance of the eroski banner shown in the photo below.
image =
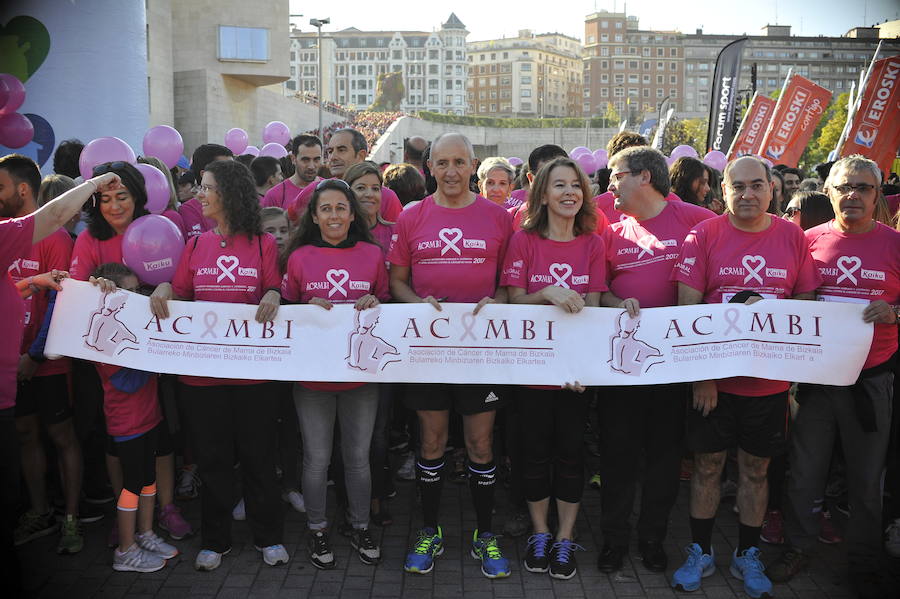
(753, 126)
(875, 129)
(797, 113)
(802, 341)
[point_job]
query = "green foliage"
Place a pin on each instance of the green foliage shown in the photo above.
(389, 92)
(516, 123)
(827, 133)
(688, 132)
(612, 115)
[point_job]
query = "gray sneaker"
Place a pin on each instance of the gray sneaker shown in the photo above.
(137, 559)
(407, 469)
(209, 560)
(274, 554)
(149, 541)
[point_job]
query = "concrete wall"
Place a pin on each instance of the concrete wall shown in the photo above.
(488, 141)
(160, 65)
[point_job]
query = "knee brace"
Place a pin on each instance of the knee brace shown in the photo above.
(128, 501)
(149, 490)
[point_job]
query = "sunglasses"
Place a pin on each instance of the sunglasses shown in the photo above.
(332, 183)
(790, 211)
(108, 167)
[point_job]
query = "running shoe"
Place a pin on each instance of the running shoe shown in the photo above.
(748, 567)
(240, 511)
(34, 526)
(695, 568)
(537, 552)
(429, 544)
(773, 528)
(294, 498)
(407, 468)
(595, 482)
(208, 560)
(486, 549)
(828, 532)
(136, 559)
(274, 554)
(562, 559)
(171, 521)
(71, 540)
(787, 565)
(149, 541)
(366, 548)
(320, 554)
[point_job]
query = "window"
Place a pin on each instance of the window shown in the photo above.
(604, 51)
(526, 66)
(645, 52)
(243, 43)
(660, 52)
(604, 78)
(645, 79)
(659, 66)
(618, 64)
(659, 92)
(526, 93)
(619, 92)
(591, 39)
(673, 51)
(673, 79)
(618, 24)
(645, 92)
(659, 79)
(620, 78)
(632, 64)
(604, 92)
(632, 78)
(618, 36)
(526, 79)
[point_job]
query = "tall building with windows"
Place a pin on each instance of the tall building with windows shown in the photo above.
(525, 76)
(433, 66)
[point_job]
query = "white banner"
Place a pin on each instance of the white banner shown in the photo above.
(801, 341)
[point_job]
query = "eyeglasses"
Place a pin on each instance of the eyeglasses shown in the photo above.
(846, 188)
(618, 176)
(323, 184)
(108, 167)
(206, 188)
(790, 211)
(741, 188)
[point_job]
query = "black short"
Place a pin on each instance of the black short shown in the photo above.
(464, 399)
(46, 396)
(758, 425)
(138, 459)
(162, 441)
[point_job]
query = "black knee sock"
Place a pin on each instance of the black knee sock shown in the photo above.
(748, 537)
(482, 478)
(701, 533)
(428, 477)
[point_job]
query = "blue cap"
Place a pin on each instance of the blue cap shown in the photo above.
(183, 162)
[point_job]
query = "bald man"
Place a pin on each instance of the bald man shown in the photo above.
(414, 151)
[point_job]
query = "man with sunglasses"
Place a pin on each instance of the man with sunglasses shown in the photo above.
(745, 252)
(859, 260)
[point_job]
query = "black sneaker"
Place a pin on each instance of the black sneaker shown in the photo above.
(611, 558)
(537, 554)
(366, 548)
(787, 565)
(320, 553)
(653, 555)
(562, 559)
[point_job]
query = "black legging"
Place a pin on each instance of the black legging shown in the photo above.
(138, 458)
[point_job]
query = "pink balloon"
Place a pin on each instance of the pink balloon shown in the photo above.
(587, 163)
(514, 161)
(236, 140)
(275, 150)
(602, 158)
(577, 151)
(4, 93)
(15, 130)
(164, 143)
(276, 132)
(157, 186)
(102, 150)
(151, 247)
(684, 150)
(715, 159)
(670, 161)
(15, 95)
(251, 150)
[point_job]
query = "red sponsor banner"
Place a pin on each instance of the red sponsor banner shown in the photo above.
(797, 113)
(875, 129)
(753, 127)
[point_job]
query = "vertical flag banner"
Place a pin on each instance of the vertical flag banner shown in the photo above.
(661, 129)
(756, 120)
(724, 93)
(798, 111)
(875, 129)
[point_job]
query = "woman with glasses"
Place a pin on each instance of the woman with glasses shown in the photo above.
(331, 259)
(231, 420)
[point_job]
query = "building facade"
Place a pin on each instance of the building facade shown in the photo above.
(525, 76)
(433, 66)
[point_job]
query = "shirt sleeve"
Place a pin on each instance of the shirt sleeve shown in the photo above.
(399, 253)
(291, 281)
(808, 277)
(390, 205)
(183, 281)
(690, 268)
(597, 265)
(15, 239)
(84, 257)
(271, 276)
(514, 272)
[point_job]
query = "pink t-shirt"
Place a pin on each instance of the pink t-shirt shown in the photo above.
(516, 198)
(893, 202)
(721, 260)
(15, 240)
(89, 253)
(454, 254)
(239, 273)
(640, 254)
(860, 268)
(173, 216)
(52, 252)
(390, 203)
(382, 234)
(606, 203)
(128, 413)
(533, 262)
(194, 222)
(281, 195)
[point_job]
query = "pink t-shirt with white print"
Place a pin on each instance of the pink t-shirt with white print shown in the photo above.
(454, 254)
(640, 254)
(720, 260)
(194, 223)
(340, 275)
(533, 262)
(15, 239)
(606, 203)
(89, 253)
(860, 268)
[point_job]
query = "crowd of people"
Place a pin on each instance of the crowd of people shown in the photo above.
(289, 224)
(370, 123)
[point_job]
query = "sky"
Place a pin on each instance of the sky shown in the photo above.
(495, 19)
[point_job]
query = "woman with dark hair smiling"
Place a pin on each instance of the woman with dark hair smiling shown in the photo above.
(331, 259)
(230, 418)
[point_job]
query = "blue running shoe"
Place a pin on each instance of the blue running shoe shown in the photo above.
(429, 545)
(537, 553)
(486, 549)
(696, 567)
(748, 567)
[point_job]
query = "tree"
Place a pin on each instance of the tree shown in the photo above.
(389, 92)
(612, 115)
(687, 132)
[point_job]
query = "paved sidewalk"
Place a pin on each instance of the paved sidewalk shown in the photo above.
(456, 574)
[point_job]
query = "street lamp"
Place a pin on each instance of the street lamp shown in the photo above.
(317, 23)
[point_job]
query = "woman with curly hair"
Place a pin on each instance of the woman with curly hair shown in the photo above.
(231, 420)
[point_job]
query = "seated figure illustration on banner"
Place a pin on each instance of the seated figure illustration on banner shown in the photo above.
(106, 333)
(630, 355)
(368, 351)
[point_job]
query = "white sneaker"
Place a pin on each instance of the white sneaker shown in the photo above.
(149, 541)
(240, 511)
(209, 560)
(892, 538)
(136, 559)
(274, 554)
(295, 499)
(407, 470)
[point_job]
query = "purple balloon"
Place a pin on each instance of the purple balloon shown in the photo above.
(587, 163)
(164, 143)
(514, 160)
(15, 95)
(151, 247)
(4, 93)
(101, 150)
(670, 160)
(157, 186)
(684, 150)
(15, 130)
(251, 150)
(577, 151)
(275, 150)
(276, 132)
(236, 140)
(602, 158)
(715, 159)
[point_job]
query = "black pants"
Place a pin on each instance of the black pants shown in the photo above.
(552, 424)
(639, 422)
(227, 419)
(10, 462)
